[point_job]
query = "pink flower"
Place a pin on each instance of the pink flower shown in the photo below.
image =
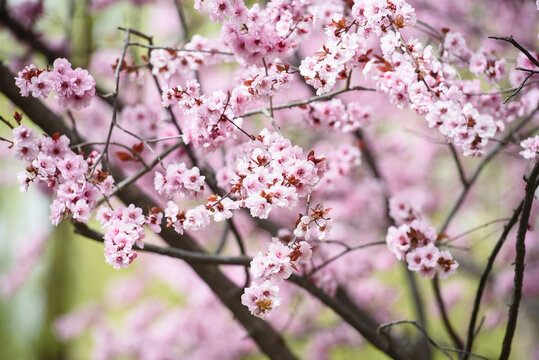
(397, 241)
(42, 85)
(25, 143)
(446, 265)
(424, 260)
(196, 218)
(531, 148)
(260, 299)
(219, 9)
(478, 63)
(153, 220)
(258, 206)
(45, 166)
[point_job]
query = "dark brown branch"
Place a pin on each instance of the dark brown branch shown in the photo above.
(520, 247)
(514, 93)
(32, 39)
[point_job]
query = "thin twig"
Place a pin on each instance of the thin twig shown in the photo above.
(115, 103)
(458, 163)
(297, 103)
(383, 326)
(6, 122)
(169, 48)
(187, 255)
(129, 180)
(272, 117)
(512, 41)
(479, 227)
(142, 140)
(341, 254)
(519, 88)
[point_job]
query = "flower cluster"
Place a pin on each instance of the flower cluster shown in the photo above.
(261, 175)
(463, 125)
(269, 269)
(334, 115)
(212, 118)
(531, 148)
(318, 220)
(269, 173)
(260, 83)
(74, 87)
(197, 53)
(125, 229)
(413, 76)
(255, 34)
(329, 64)
(192, 219)
(51, 161)
(482, 62)
(414, 242)
(375, 16)
(179, 180)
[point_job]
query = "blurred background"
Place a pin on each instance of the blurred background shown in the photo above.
(48, 272)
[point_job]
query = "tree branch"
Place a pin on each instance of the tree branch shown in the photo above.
(199, 257)
(531, 183)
